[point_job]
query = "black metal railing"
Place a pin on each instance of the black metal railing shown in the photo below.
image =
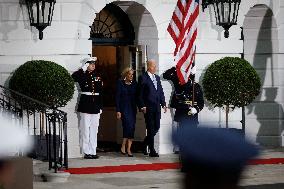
(47, 125)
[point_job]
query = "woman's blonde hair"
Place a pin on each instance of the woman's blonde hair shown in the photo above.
(125, 72)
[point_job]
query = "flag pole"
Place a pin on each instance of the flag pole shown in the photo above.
(193, 89)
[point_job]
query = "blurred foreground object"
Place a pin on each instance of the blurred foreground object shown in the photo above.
(15, 170)
(212, 158)
(13, 138)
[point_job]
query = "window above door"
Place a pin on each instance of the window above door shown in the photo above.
(112, 27)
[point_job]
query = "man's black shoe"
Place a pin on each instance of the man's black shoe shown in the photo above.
(155, 154)
(87, 156)
(145, 151)
(94, 156)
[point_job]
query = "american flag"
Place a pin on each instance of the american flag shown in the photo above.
(183, 29)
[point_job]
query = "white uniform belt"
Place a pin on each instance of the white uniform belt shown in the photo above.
(90, 93)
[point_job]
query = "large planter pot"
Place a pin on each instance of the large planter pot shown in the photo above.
(23, 173)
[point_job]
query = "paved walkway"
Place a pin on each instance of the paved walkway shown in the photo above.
(254, 177)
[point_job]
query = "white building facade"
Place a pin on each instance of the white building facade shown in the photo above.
(67, 41)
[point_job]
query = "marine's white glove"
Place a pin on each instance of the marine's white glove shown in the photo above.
(193, 111)
(85, 67)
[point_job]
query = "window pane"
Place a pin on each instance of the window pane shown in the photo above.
(47, 11)
(34, 12)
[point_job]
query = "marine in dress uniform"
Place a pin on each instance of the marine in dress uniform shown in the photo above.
(90, 106)
(212, 158)
(187, 99)
(187, 104)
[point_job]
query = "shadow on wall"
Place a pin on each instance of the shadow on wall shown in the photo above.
(11, 17)
(8, 24)
(269, 118)
(267, 111)
(135, 13)
(206, 103)
(26, 20)
(145, 28)
(219, 29)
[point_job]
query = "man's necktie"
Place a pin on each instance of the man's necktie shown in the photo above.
(154, 80)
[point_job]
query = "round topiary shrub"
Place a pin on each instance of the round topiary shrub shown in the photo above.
(231, 82)
(44, 81)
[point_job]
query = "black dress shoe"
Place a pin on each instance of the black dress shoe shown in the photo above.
(94, 157)
(154, 154)
(145, 151)
(123, 153)
(130, 155)
(87, 156)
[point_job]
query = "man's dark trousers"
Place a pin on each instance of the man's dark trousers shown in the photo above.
(152, 119)
(152, 98)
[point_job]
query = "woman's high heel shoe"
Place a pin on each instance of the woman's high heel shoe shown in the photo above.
(129, 154)
(123, 153)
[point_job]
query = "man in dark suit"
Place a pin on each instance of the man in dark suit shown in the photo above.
(151, 99)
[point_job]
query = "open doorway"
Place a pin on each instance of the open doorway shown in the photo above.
(113, 39)
(111, 61)
(121, 31)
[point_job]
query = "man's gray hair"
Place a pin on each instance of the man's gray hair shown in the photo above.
(149, 62)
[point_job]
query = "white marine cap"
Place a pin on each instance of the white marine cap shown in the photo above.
(89, 59)
(13, 138)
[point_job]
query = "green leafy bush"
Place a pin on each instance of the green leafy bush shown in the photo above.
(231, 82)
(44, 81)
